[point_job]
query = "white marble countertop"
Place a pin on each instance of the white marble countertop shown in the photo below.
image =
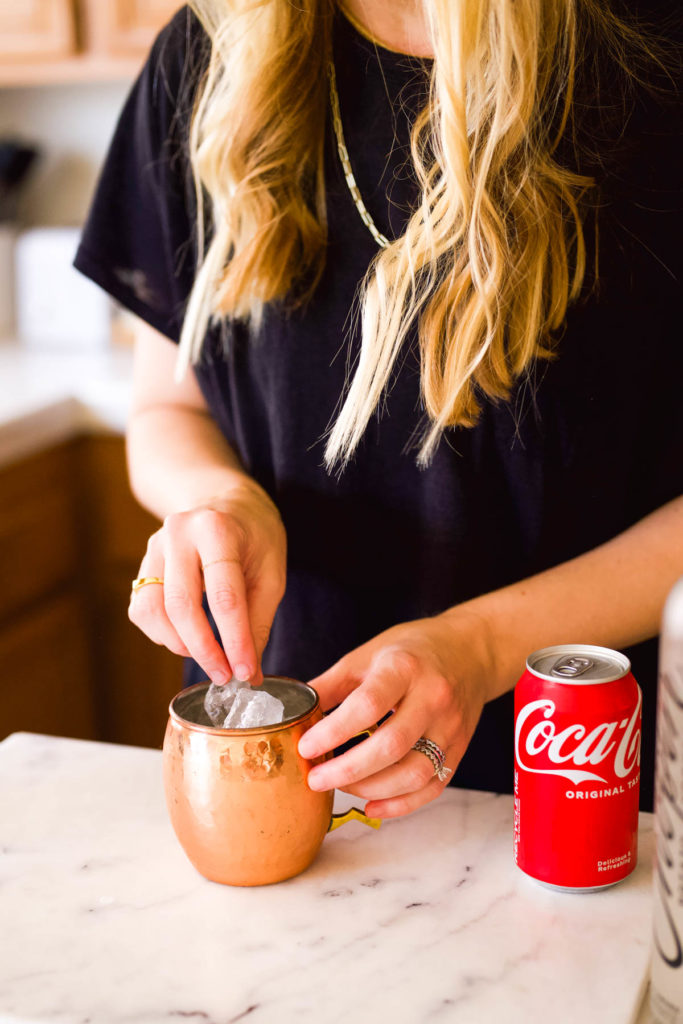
(104, 919)
(49, 396)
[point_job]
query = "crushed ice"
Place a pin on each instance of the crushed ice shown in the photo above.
(218, 699)
(237, 705)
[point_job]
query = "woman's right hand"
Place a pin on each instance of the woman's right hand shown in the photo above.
(234, 547)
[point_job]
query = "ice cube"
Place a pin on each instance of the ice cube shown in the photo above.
(219, 699)
(252, 708)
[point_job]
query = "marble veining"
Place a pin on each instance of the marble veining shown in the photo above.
(104, 919)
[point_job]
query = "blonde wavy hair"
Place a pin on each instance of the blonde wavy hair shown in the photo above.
(491, 258)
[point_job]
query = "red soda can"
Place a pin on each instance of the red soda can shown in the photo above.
(577, 767)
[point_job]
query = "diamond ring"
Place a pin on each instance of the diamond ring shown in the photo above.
(436, 755)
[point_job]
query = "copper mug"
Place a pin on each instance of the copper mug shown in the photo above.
(238, 799)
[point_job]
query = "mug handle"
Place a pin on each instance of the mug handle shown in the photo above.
(354, 813)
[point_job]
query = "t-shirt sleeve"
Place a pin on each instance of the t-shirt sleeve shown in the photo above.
(654, 225)
(138, 242)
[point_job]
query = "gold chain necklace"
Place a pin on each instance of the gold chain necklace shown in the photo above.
(381, 239)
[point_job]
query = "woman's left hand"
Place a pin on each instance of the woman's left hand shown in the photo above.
(434, 675)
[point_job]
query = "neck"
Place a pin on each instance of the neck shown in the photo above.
(397, 24)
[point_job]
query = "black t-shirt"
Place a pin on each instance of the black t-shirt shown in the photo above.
(588, 444)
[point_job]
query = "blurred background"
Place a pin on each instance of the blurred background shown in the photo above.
(71, 535)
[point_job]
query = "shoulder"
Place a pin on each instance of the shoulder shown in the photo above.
(181, 47)
(628, 136)
(627, 91)
(138, 241)
(642, 198)
(174, 68)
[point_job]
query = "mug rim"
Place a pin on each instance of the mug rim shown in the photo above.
(255, 730)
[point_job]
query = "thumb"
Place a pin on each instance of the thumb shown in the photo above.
(338, 681)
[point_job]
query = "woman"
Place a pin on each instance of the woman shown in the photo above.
(478, 456)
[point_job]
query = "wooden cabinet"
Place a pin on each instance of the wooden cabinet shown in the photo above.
(36, 29)
(39, 545)
(50, 41)
(44, 643)
(124, 27)
(45, 659)
(71, 540)
(134, 679)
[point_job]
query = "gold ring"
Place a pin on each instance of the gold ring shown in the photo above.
(205, 565)
(144, 581)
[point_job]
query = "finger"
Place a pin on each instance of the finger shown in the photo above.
(146, 607)
(387, 747)
(183, 603)
(392, 806)
(227, 597)
(406, 803)
(334, 685)
(412, 773)
(263, 598)
(150, 617)
(371, 700)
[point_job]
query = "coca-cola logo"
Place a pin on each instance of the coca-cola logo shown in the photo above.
(536, 734)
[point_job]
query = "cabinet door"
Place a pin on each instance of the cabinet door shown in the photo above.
(44, 660)
(126, 27)
(36, 28)
(39, 530)
(135, 679)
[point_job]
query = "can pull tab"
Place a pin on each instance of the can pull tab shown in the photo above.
(570, 668)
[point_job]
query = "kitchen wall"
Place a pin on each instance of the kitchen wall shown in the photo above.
(73, 125)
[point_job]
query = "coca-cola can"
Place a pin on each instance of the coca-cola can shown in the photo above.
(577, 767)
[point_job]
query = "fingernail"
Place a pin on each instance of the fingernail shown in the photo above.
(220, 678)
(305, 748)
(316, 782)
(243, 673)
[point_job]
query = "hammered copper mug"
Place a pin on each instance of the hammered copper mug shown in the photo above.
(238, 799)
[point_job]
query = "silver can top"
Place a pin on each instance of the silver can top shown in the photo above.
(578, 664)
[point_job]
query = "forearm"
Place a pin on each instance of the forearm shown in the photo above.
(178, 459)
(611, 596)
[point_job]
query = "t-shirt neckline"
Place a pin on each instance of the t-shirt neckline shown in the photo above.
(389, 59)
